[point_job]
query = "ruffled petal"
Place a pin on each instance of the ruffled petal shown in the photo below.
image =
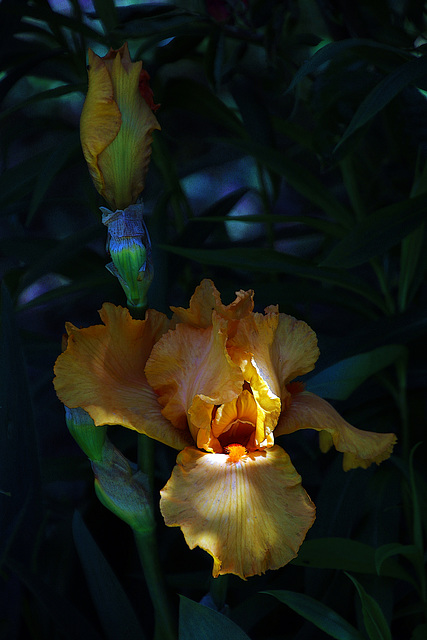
(206, 298)
(188, 362)
(251, 349)
(100, 119)
(360, 448)
(295, 349)
(102, 371)
(250, 515)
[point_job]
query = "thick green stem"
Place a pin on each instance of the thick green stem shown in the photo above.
(165, 628)
(218, 591)
(146, 457)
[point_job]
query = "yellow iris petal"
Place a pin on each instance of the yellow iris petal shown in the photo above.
(206, 299)
(250, 515)
(102, 371)
(188, 363)
(360, 448)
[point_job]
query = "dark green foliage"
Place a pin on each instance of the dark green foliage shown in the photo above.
(293, 161)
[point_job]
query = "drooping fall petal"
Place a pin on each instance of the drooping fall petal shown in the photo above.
(189, 367)
(360, 448)
(249, 515)
(102, 371)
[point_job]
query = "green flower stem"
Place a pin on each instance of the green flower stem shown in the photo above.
(146, 457)
(165, 628)
(218, 591)
(137, 312)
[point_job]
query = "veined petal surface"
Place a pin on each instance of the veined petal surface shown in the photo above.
(189, 363)
(360, 448)
(250, 516)
(102, 371)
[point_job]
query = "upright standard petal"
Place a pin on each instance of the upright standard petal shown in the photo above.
(102, 371)
(269, 348)
(360, 448)
(206, 298)
(249, 513)
(190, 365)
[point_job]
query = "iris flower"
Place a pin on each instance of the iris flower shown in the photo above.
(217, 382)
(116, 126)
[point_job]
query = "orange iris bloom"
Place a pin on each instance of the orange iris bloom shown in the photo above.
(116, 126)
(216, 382)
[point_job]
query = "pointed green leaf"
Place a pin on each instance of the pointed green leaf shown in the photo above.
(49, 94)
(373, 617)
(197, 621)
(333, 49)
(298, 176)
(115, 612)
(341, 379)
(382, 230)
(318, 613)
(409, 551)
(346, 554)
(268, 261)
(196, 236)
(413, 246)
(407, 73)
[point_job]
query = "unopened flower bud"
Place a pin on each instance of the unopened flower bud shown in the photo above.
(124, 493)
(91, 439)
(116, 126)
(130, 250)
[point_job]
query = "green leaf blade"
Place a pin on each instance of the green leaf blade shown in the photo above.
(384, 229)
(373, 617)
(341, 379)
(197, 621)
(318, 613)
(115, 612)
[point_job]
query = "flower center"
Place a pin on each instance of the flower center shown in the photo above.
(238, 433)
(235, 452)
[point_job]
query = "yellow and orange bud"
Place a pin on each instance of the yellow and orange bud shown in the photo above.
(116, 126)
